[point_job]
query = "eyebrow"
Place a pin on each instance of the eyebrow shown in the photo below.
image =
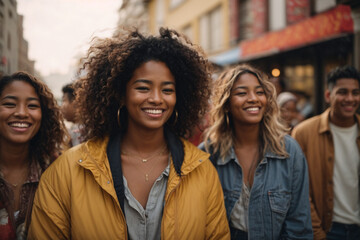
(16, 98)
(244, 87)
(150, 82)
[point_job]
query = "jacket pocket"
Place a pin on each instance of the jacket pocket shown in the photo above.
(279, 204)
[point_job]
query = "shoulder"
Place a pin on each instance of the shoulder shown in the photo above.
(190, 148)
(196, 159)
(62, 165)
(292, 146)
(358, 118)
(201, 146)
(310, 123)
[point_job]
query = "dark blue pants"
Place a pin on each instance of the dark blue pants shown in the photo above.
(237, 234)
(340, 231)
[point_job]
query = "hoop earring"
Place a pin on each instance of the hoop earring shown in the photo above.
(176, 117)
(227, 119)
(118, 115)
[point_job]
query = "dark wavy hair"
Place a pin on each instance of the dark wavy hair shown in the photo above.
(110, 64)
(342, 72)
(49, 140)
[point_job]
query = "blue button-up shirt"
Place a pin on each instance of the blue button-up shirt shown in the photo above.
(279, 205)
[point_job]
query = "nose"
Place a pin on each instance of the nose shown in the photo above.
(252, 97)
(21, 111)
(155, 97)
(349, 97)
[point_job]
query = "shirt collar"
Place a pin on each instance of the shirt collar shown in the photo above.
(232, 156)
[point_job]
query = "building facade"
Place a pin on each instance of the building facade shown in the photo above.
(24, 63)
(13, 46)
(205, 22)
(8, 37)
(133, 13)
(301, 39)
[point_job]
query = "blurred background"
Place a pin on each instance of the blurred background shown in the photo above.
(295, 41)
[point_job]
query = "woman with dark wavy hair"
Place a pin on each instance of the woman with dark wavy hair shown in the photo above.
(263, 171)
(136, 177)
(31, 134)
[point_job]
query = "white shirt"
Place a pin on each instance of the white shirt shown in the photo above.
(346, 175)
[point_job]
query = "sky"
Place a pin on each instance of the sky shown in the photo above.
(59, 31)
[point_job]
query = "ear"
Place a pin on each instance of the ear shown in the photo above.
(327, 96)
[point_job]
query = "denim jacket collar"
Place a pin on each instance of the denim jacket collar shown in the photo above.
(232, 156)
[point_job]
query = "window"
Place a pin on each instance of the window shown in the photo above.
(211, 36)
(1, 26)
(245, 19)
(175, 3)
(187, 31)
(277, 15)
(9, 41)
(160, 13)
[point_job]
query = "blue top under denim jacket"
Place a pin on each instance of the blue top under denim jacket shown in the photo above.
(279, 206)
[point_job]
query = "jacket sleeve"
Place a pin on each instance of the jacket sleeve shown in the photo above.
(50, 215)
(297, 224)
(217, 226)
(319, 232)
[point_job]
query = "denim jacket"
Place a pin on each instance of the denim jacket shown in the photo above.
(279, 206)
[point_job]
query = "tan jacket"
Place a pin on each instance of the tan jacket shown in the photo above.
(76, 199)
(315, 139)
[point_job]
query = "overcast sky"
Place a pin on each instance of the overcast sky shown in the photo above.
(58, 31)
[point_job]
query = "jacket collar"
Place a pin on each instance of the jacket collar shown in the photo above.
(232, 156)
(325, 122)
(98, 156)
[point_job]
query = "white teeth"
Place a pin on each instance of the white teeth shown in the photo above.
(20, 125)
(153, 111)
(252, 109)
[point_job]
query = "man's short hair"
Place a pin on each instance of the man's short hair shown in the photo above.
(342, 72)
(69, 89)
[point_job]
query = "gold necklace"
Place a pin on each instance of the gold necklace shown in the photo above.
(145, 160)
(19, 183)
(146, 174)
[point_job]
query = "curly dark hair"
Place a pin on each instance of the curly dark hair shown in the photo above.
(49, 140)
(110, 64)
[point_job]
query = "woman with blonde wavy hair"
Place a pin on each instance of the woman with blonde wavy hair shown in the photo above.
(262, 170)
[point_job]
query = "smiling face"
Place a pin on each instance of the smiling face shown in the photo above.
(20, 113)
(344, 100)
(247, 100)
(150, 96)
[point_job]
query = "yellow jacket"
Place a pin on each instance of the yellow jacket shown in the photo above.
(76, 198)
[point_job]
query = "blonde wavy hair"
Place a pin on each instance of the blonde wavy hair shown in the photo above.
(220, 136)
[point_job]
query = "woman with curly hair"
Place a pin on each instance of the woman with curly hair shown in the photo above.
(262, 170)
(136, 177)
(31, 134)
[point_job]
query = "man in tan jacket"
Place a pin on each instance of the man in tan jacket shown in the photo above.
(331, 143)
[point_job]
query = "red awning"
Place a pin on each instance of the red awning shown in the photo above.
(317, 28)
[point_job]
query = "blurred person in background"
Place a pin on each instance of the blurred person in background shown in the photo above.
(31, 134)
(69, 110)
(331, 143)
(262, 170)
(287, 103)
(304, 105)
(279, 84)
(136, 177)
